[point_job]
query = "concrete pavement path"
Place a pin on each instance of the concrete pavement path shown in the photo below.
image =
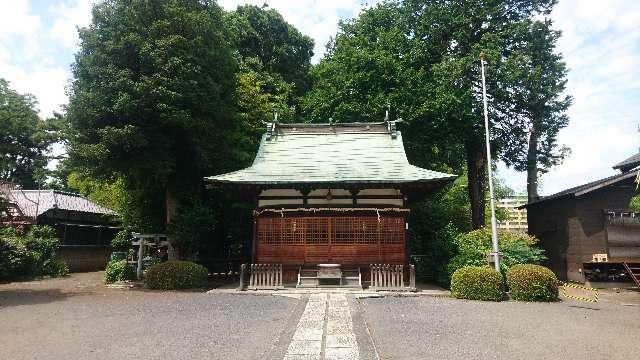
(324, 331)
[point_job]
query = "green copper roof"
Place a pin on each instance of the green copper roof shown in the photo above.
(323, 153)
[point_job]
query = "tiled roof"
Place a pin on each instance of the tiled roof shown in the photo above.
(629, 163)
(323, 153)
(34, 203)
(587, 188)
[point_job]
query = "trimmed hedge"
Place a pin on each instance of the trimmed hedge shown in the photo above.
(516, 248)
(118, 270)
(477, 283)
(529, 282)
(173, 275)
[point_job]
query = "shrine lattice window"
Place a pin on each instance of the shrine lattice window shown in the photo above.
(342, 230)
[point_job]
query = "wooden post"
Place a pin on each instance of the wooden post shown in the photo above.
(242, 271)
(412, 277)
(140, 254)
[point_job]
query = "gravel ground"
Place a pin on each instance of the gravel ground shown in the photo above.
(443, 328)
(78, 318)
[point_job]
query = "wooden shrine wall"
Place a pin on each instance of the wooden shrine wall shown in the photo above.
(347, 240)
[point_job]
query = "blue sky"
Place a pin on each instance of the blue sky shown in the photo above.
(600, 43)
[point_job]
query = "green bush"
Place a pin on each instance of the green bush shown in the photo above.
(29, 255)
(516, 248)
(58, 267)
(122, 240)
(172, 275)
(532, 283)
(118, 270)
(477, 283)
(118, 255)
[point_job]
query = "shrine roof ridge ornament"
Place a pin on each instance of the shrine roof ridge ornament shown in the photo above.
(331, 153)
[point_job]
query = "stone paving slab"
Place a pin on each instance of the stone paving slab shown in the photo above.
(302, 357)
(325, 330)
(341, 354)
(308, 334)
(305, 347)
(342, 340)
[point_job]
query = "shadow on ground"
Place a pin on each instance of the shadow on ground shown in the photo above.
(16, 297)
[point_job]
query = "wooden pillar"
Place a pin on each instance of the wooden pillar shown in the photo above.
(254, 244)
(354, 195)
(305, 195)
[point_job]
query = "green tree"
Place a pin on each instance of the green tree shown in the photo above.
(374, 62)
(276, 46)
(539, 77)
(25, 139)
(274, 60)
(424, 59)
(150, 98)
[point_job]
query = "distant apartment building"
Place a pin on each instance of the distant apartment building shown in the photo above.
(516, 219)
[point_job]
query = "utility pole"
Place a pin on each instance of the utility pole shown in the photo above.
(494, 231)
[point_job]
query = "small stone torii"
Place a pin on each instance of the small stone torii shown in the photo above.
(142, 240)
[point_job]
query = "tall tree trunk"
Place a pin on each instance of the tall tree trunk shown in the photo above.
(476, 166)
(532, 166)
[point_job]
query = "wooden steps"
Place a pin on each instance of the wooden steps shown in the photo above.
(633, 269)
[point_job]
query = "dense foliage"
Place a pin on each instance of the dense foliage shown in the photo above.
(118, 270)
(122, 240)
(25, 139)
(267, 43)
(538, 99)
(423, 59)
(173, 275)
(166, 92)
(274, 60)
(532, 283)
(477, 283)
(634, 204)
(191, 227)
(516, 248)
(150, 101)
(29, 255)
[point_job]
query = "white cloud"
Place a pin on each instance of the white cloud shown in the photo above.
(16, 20)
(31, 41)
(68, 17)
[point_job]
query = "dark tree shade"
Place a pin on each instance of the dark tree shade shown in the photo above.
(279, 47)
(149, 101)
(274, 60)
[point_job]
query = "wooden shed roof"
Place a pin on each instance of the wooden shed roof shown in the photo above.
(629, 163)
(358, 153)
(586, 188)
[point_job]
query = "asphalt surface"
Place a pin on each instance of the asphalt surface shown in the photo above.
(444, 328)
(79, 318)
(40, 322)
